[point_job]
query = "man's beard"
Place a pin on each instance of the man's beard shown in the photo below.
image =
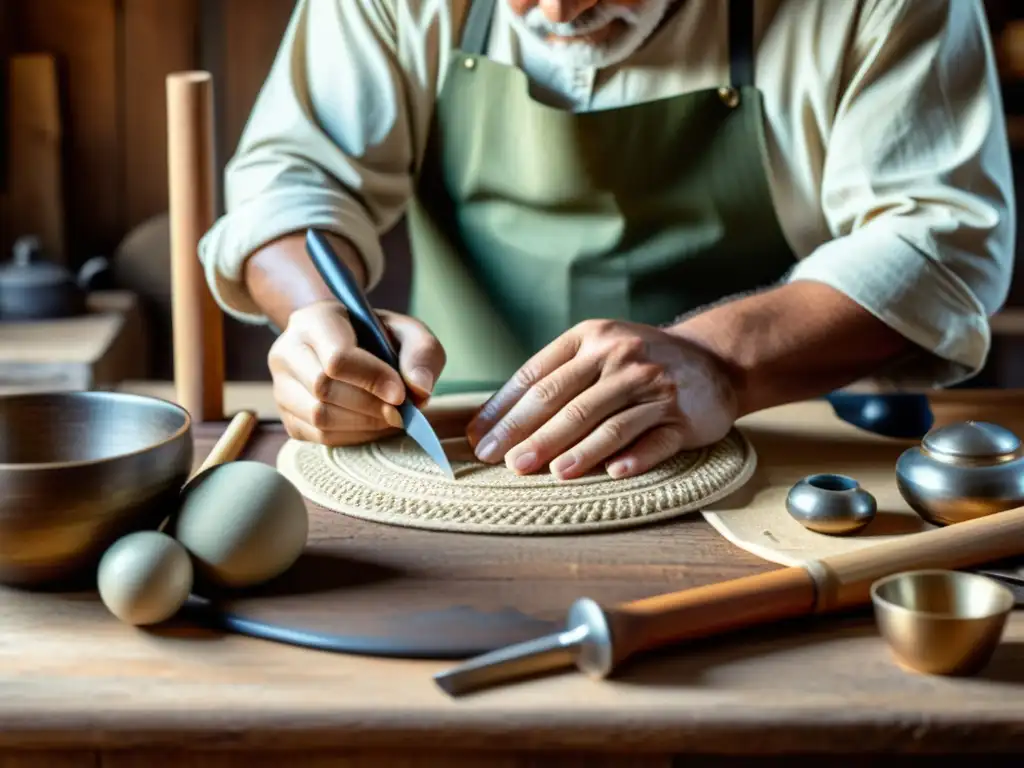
(639, 21)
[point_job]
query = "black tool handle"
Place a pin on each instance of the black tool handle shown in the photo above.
(370, 334)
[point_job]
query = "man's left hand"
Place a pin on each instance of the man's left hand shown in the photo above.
(623, 394)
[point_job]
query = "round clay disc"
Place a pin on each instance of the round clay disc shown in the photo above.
(812, 443)
(771, 533)
(393, 481)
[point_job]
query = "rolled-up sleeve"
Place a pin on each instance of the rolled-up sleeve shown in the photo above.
(917, 187)
(327, 145)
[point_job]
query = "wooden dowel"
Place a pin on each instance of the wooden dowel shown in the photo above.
(228, 447)
(198, 326)
(845, 579)
(231, 443)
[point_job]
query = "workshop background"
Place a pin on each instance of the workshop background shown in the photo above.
(84, 174)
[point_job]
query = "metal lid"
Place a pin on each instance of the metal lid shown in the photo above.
(971, 439)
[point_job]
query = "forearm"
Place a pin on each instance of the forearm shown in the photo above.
(798, 341)
(281, 277)
(310, 157)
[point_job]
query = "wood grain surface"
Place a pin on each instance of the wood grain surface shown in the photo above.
(158, 38)
(75, 679)
(198, 323)
(34, 201)
(471, 592)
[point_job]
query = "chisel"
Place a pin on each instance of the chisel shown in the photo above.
(372, 337)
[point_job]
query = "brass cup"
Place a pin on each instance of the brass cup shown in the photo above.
(941, 622)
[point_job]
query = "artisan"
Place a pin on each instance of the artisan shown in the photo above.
(636, 220)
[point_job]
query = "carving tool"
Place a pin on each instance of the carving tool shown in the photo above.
(373, 338)
(597, 639)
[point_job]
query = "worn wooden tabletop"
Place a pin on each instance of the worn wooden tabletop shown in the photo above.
(73, 678)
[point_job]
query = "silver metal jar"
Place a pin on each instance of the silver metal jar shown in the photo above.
(962, 471)
(832, 504)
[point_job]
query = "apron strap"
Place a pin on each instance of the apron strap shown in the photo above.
(741, 42)
(477, 27)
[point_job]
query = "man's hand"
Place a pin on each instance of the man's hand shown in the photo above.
(330, 391)
(623, 394)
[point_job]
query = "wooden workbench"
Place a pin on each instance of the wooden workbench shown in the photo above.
(80, 689)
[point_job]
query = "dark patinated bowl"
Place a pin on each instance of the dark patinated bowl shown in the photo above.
(78, 470)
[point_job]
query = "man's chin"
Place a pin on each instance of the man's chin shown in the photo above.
(579, 52)
(606, 46)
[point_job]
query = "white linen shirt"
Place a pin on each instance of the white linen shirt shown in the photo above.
(886, 147)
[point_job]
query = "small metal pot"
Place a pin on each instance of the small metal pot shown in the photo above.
(962, 471)
(832, 504)
(32, 288)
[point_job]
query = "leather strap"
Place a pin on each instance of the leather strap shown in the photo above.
(478, 27)
(741, 43)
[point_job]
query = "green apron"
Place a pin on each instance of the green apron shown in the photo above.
(529, 219)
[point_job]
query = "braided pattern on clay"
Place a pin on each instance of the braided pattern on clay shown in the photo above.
(392, 481)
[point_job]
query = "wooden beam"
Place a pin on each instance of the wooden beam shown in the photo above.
(82, 34)
(34, 200)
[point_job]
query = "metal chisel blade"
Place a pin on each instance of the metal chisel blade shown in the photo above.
(543, 654)
(419, 429)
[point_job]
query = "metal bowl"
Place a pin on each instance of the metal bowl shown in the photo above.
(941, 622)
(77, 471)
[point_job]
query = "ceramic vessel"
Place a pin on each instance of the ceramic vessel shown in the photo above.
(962, 471)
(32, 288)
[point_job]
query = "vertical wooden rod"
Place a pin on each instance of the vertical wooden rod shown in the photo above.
(198, 324)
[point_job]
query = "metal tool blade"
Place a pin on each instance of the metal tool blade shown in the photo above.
(371, 336)
(586, 644)
(554, 651)
(420, 430)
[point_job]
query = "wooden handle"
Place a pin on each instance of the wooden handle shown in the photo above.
(653, 622)
(231, 443)
(845, 580)
(198, 326)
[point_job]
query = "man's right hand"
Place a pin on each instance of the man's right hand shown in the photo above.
(330, 391)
